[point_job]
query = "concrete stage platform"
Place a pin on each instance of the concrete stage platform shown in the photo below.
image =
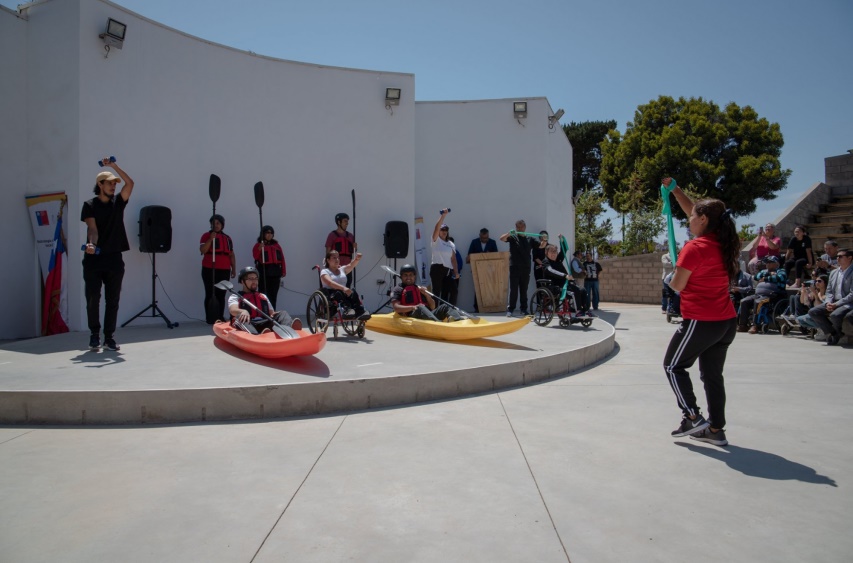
(186, 374)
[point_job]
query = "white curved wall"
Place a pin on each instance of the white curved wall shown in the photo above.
(175, 108)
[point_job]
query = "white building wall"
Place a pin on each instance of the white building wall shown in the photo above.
(19, 246)
(491, 170)
(174, 109)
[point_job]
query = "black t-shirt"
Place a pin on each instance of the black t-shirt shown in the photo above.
(109, 218)
(519, 252)
(591, 269)
(799, 246)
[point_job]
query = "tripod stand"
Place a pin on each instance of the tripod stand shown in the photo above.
(388, 301)
(155, 310)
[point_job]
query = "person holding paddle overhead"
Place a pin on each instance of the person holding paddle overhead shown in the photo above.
(269, 260)
(344, 242)
(218, 244)
(243, 316)
(411, 300)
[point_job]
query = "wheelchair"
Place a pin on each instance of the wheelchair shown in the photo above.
(324, 311)
(545, 303)
(768, 313)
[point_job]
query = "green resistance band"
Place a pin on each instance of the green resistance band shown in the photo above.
(667, 210)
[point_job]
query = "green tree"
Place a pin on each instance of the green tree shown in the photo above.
(730, 154)
(586, 138)
(645, 222)
(589, 232)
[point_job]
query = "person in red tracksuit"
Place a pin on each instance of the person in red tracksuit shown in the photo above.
(269, 260)
(215, 272)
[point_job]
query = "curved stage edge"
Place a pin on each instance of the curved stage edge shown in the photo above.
(545, 355)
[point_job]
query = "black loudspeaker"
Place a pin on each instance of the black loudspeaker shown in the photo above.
(155, 229)
(396, 239)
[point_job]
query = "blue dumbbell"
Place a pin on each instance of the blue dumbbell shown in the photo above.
(101, 162)
(97, 249)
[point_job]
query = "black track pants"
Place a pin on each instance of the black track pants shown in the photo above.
(707, 341)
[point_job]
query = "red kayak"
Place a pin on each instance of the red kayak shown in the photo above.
(270, 345)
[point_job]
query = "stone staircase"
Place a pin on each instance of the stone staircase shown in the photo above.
(834, 222)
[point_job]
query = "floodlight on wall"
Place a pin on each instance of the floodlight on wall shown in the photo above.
(392, 97)
(519, 109)
(554, 119)
(113, 36)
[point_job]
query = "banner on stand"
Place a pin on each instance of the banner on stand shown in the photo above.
(46, 212)
(421, 260)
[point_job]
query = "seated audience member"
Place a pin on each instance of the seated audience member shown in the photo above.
(741, 287)
(243, 316)
(829, 315)
(411, 300)
(829, 259)
(768, 245)
(799, 256)
(555, 272)
(811, 294)
(333, 278)
(771, 283)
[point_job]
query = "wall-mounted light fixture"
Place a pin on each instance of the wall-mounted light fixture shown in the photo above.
(553, 119)
(392, 97)
(519, 109)
(113, 36)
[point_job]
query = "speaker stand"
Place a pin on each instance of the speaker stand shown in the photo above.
(155, 310)
(388, 302)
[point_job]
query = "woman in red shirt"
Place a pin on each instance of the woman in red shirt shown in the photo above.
(705, 269)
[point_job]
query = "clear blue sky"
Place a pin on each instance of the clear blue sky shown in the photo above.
(790, 60)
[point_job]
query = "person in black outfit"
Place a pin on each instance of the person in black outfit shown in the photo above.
(480, 245)
(106, 239)
(519, 266)
(539, 256)
(799, 256)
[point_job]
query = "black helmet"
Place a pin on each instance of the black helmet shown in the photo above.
(219, 218)
(245, 272)
(340, 217)
(408, 268)
(267, 229)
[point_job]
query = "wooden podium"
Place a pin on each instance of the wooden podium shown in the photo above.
(491, 280)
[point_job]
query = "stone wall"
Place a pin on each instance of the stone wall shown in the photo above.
(631, 279)
(839, 173)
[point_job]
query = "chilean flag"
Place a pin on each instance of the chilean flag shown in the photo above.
(51, 319)
(41, 218)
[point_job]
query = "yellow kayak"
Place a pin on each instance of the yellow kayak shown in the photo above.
(460, 330)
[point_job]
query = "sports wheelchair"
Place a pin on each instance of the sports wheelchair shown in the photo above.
(324, 311)
(546, 303)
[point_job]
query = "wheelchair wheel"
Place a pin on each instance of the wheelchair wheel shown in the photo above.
(779, 308)
(351, 326)
(317, 312)
(361, 329)
(565, 321)
(543, 306)
(785, 329)
(765, 328)
(586, 323)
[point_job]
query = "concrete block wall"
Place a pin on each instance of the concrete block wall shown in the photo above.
(631, 279)
(839, 173)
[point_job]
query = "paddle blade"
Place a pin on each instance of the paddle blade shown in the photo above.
(259, 194)
(214, 187)
(224, 285)
(284, 331)
(390, 270)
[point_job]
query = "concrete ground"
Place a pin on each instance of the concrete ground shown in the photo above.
(579, 469)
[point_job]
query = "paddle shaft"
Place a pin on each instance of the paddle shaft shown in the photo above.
(284, 329)
(353, 237)
(214, 186)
